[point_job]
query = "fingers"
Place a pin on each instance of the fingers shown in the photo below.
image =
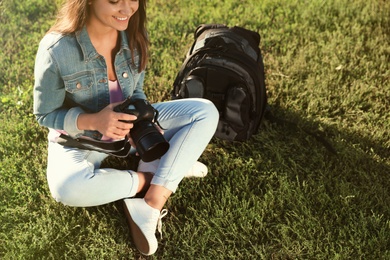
(116, 136)
(124, 125)
(159, 129)
(132, 142)
(117, 129)
(116, 133)
(115, 124)
(125, 117)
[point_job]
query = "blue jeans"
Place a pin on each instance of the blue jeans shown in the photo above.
(76, 179)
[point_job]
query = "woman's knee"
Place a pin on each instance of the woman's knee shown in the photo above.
(62, 193)
(208, 110)
(66, 190)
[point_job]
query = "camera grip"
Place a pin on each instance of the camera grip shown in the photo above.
(121, 107)
(127, 107)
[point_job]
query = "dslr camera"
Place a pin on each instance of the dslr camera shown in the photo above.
(150, 143)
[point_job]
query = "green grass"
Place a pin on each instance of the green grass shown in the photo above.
(282, 195)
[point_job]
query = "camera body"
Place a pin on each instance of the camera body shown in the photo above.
(150, 143)
(139, 107)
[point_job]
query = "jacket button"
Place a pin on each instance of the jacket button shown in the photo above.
(125, 75)
(78, 85)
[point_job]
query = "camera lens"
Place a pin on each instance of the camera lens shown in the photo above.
(150, 143)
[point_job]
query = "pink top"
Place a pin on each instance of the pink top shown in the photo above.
(116, 94)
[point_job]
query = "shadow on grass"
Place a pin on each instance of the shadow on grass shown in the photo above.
(296, 145)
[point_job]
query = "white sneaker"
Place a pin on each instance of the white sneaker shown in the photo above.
(143, 220)
(198, 169)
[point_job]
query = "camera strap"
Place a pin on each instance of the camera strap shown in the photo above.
(120, 148)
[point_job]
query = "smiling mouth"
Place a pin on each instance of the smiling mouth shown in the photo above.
(121, 18)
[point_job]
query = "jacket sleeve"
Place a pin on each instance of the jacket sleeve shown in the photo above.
(49, 95)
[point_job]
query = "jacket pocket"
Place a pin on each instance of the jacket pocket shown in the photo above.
(77, 82)
(79, 87)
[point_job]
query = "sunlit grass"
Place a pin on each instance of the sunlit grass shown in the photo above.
(282, 195)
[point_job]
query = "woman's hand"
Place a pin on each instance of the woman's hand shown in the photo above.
(159, 129)
(107, 122)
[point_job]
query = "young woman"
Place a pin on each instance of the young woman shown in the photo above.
(93, 58)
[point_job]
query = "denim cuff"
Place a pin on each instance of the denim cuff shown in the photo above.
(135, 183)
(70, 122)
(170, 185)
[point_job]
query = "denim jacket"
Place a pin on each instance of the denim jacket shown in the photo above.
(71, 78)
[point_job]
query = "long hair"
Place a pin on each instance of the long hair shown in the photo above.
(73, 16)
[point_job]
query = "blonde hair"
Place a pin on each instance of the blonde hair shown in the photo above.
(73, 16)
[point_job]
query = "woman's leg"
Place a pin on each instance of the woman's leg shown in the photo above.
(190, 124)
(75, 179)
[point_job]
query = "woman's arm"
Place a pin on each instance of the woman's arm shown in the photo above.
(49, 91)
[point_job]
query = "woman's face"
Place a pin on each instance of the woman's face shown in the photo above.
(112, 14)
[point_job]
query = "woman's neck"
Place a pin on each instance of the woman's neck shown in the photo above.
(103, 38)
(106, 43)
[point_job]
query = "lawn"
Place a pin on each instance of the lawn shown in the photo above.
(313, 185)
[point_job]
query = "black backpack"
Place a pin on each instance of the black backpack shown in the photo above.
(225, 66)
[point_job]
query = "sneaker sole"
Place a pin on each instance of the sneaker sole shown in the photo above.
(139, 239)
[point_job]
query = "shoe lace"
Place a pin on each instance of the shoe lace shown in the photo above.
(163, 213)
